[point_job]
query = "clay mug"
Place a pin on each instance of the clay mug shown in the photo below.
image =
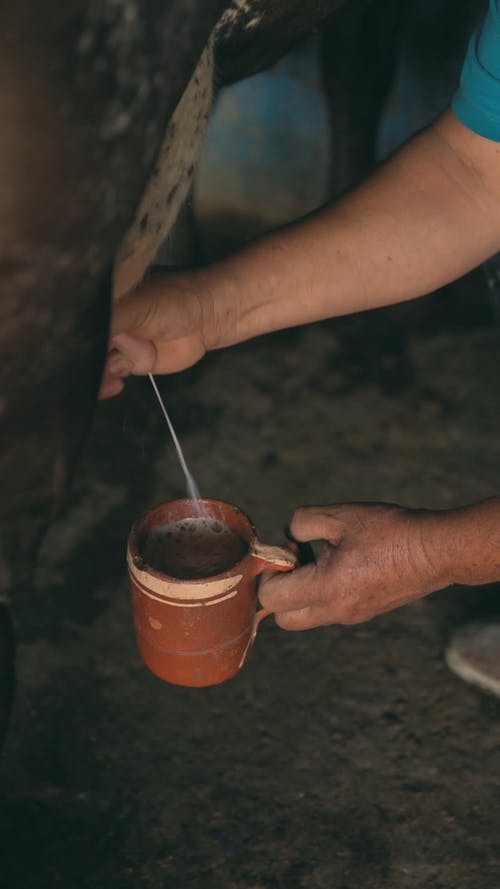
(199, 632)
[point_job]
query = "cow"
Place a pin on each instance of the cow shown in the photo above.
(104, 106)
(86, 91)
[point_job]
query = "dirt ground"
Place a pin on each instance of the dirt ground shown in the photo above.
(338, 758)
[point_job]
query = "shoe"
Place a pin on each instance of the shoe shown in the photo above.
(474, 655)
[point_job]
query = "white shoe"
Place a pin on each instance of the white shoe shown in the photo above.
(474, 655)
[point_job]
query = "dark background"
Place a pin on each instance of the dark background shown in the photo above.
(338, 758)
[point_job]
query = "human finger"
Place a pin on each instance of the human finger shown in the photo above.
(291, 591)
(316, 523)
(136, 312)
(307, 618)
(176, 355)
(130, 355)
(164, 306)
(110, 387)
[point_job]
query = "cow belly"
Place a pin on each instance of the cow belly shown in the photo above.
(169, 183)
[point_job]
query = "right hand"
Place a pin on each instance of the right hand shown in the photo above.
(157, 328)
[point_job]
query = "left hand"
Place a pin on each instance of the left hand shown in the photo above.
(157, 328)
(375, 557)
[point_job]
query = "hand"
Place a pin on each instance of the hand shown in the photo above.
(157, 328)
(375, 557)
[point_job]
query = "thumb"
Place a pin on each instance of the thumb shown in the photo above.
(137, 314)
(165, 306)
(289, 591)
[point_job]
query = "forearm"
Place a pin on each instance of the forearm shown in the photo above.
(463, 545)
(423, 219)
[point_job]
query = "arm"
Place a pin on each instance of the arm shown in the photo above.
(377, 557)
(428, 215)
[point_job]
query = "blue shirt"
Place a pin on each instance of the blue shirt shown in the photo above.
(477, 101)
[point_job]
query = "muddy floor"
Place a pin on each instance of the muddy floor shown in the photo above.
(338, 758)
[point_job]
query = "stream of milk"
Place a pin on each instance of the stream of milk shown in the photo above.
(192, 488)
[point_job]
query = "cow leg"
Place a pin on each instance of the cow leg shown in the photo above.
(358, 53)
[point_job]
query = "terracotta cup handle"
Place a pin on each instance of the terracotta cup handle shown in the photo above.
(271, 558)
(267, 558)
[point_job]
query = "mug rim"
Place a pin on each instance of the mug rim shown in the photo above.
(142, 565)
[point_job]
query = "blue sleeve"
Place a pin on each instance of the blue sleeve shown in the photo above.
(477, 101)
